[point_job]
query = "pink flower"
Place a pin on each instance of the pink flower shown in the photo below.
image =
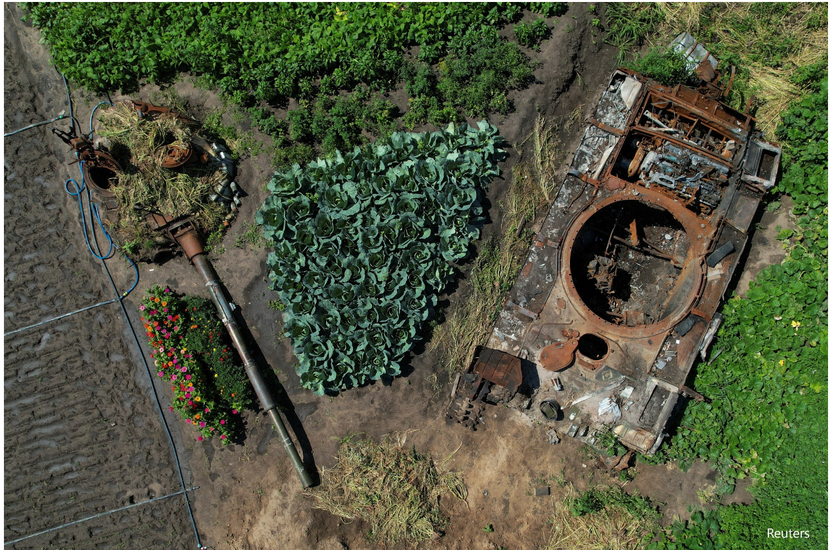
(199, 438)
(221, 421)
(167, 336)
(142, 308)
(187, 420)
(207, 410)
(173, 377)
(211, 429)
(187, 377)
(201, 424)
(161, 373)
(221, 437)
(184, 369)
(169, 317)
(175, 360)
(171, 409)
(167, 291)
(234, 411)
(190, 402)
(164, 310)
(161, 349)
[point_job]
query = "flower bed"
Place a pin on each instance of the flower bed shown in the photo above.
(192, 351)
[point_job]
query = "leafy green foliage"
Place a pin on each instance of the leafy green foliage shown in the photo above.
(630, 23)
(362, 245)
(667, 67)
(480, 69)
(596, 499)
(699, 533)
(548, 9)
(258, 52)
(338, 122)
(610, 444)
(531, 35)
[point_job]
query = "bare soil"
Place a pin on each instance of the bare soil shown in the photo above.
(82, 433)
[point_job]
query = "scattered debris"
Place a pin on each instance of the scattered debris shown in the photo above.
(553, 438)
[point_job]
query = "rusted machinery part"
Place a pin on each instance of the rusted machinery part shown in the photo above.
(148, 109)
(559, 355)
(188, 238)
(497, 367)
(175, 156)
(99, 169)
(465, 412)
(697, 231)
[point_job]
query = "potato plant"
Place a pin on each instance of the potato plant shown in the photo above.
(363, 245)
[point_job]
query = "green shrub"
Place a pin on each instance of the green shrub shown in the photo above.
(338, 122)
(531, 35)
(481, 67)
(597, 499)
(363, 244)
(548, 9)
(699, 533)
(667, 67)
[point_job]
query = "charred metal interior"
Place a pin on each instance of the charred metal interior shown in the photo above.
(620, 290)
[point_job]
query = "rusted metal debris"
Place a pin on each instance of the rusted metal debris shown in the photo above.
(493, 376)
(635, 255)
(148, 109)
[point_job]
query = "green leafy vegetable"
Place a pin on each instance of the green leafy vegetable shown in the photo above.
(360, 268)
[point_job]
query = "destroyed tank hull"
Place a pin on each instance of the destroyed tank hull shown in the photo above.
(619, 294)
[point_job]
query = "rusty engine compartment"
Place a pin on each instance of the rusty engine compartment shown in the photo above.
(620, 290)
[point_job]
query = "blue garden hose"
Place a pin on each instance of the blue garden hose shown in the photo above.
(93, 213)
(93, 209)
(92, 114)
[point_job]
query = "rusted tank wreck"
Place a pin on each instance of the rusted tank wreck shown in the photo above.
(620, 291)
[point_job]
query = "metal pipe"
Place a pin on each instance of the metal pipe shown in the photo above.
(192, 245)
(204, 267)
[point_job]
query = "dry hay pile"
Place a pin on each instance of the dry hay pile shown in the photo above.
(614, 521)
(397, 491)
(138, 144)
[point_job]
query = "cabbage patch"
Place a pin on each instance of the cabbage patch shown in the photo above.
(362, 245)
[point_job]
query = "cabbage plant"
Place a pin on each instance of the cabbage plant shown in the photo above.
(363, 244)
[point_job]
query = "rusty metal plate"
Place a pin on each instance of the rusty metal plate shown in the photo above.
(558, 356)
(499, 368)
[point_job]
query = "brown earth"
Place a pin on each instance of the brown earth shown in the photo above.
(82, 433)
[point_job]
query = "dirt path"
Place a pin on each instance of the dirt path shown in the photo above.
(82, 436)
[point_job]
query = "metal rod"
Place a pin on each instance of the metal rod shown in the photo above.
(60, 317)
(205, 268)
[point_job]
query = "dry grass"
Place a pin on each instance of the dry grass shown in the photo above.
(770, 85)
(499, 260)
(612, 528)
(395, 489)
(545, 145)
(138, 144)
